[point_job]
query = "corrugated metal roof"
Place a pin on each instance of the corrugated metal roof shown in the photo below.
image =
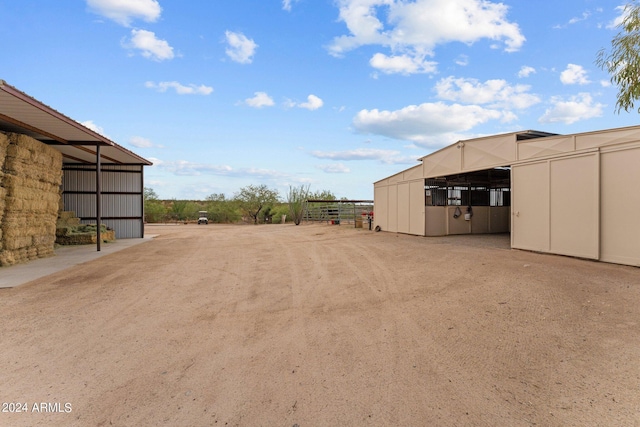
(24, 114)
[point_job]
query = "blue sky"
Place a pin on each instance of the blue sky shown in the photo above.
(334, 94)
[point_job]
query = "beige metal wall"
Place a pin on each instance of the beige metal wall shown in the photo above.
(555, 205)
(399, 207)
(620, 205)
(574, 206)
(404, 208)
(416, 208)
(381, 206)
(471, 155)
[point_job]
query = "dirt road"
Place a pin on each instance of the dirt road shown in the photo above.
(322, 325)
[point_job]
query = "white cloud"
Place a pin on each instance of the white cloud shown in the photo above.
(574, 74)
(424, 124)
(576, 108)
(180, 88)
(383, 156)
(623, 11)
(125, 11)
(313, 103)
(241, 49)
(188, 168)
(495, 93)
(412, 30)
(403, 64)
(334, 168)
(140, 142)
(585, 15)
(286, 4)
(151, 47)
(94, 127)
(526, 71)
(261, 99)
(463, 60)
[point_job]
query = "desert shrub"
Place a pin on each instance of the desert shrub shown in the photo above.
(297, 201)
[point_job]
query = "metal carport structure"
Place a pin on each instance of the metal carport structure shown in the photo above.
(87, 158)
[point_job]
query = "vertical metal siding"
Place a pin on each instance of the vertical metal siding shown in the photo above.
(123, 212)
(84, 205)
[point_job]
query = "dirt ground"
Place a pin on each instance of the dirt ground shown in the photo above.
(321, 325)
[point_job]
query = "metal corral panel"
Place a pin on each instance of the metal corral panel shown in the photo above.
(620, 204)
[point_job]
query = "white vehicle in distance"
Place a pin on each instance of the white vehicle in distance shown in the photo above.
(202, 218)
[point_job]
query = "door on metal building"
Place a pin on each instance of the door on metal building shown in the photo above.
(555, 206)
(530, 207)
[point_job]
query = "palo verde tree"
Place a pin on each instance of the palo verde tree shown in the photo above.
(253, 198)
(321, 195)
(623, 61)
(297, 200)
(220, 209)
(154, 210)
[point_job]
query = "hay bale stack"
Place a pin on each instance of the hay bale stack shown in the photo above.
(4, 143)
(31, 184)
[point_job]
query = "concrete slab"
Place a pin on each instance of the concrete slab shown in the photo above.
(65, 257)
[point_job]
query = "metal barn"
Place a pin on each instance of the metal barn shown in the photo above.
(102, 181)
(561, 194)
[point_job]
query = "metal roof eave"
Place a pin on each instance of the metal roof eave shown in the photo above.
(22, 113)
(518, 136)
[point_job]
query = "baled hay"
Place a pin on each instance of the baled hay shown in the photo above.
(15, 243)
(21, 226)
(49, 201)
(45, 251)
(4, 143)
(47, 240)
(3, 195)
(16, 256)
(18, 152)
(29, 198)
(16, 183)
(28, 157)
(31, 144)
(6, 258)
(24, 168)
